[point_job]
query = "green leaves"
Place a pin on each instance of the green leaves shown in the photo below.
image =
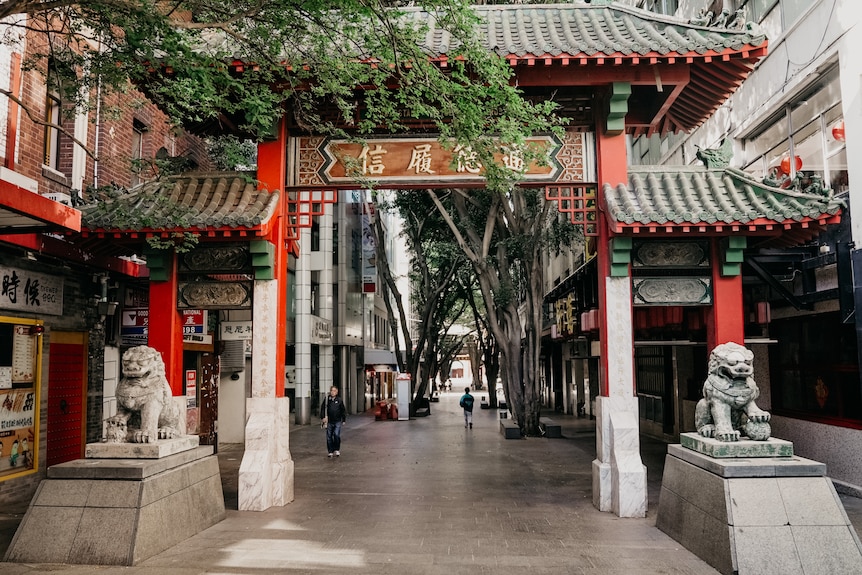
(346, 67)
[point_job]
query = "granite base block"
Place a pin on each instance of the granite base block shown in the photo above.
(745, 447)
(762, 522)
(152, 450)
(103, 515)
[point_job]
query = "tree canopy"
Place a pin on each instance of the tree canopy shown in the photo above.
(352, 67)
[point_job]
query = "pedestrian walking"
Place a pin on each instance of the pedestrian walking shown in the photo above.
(466, 402)
(334, 414)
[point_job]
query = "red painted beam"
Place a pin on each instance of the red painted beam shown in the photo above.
(38, 207)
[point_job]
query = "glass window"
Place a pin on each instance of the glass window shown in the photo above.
(756, 10)
(814, 370)
(805, 129)
(138, 130)
(53, 107)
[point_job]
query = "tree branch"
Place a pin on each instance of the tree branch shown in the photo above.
(40, 122)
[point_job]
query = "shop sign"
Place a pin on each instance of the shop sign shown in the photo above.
(321, 331)
(235, 330)
(134, 326)
(23, 290)
(191, 388)
(565, 314)
(194, 321)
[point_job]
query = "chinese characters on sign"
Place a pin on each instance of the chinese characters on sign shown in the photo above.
(418, 159)
(23, 290)
(235, 330)
(566, 313)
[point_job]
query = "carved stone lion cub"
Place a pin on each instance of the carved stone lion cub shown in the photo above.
(146, 410)
(728, 407)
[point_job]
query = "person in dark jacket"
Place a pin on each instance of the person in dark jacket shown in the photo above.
(334, 414)
(466, 402)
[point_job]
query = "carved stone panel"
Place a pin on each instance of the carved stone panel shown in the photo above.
(214, 295)
(670, 254)
(222, 259)
(672, 291)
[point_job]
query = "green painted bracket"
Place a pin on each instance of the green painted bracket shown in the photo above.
(262, 259)
(732, 256)
(621, 256)
(159, 262)
(618, 107)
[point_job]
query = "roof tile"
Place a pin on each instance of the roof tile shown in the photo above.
(557, 29)
(696, 195)
(188, 202)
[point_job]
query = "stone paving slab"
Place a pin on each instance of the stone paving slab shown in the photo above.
(428, 497)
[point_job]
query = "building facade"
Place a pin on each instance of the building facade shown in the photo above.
(797, 114)
(60, 297)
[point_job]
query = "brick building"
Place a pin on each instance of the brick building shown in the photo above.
(59, 348)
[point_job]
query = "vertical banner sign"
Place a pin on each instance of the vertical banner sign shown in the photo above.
(369, 250)
(191, 388)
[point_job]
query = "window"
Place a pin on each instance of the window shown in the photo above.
(53, 118)
(756, 10)
(660, 6)
(806, 130)
(137, 152)
(814, 370)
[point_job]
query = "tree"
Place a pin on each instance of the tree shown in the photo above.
(437, 298)
(503, 236)
(351, 67)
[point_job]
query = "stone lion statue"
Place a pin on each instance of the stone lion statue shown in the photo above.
(727, 408)
(146, 410)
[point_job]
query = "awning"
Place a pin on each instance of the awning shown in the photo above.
(23, 212)
(380, 357)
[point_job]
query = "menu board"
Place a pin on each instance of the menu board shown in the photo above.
(23, 355)
(19, 347)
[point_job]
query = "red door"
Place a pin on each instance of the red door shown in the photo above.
(67, 370)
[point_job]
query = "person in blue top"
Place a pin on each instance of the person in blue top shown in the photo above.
(334, 414)
(467, 403)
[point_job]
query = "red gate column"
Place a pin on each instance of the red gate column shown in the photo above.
(619, 476)
(725, 320)
(266, 474)
(165, 324)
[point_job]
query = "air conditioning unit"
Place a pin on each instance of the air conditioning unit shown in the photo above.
(233, 357)
(60, 197)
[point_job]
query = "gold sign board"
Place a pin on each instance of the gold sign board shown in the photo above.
(422, 159)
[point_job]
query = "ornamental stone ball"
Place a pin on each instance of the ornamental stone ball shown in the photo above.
(727, 409)
(146, 410)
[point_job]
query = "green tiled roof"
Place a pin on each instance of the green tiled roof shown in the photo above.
(681, 198)
(592, 29)
(194, 202)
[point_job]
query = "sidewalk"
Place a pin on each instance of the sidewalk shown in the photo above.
(428, 496)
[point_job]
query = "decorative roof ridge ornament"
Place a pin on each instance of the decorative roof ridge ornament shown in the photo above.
(803, 186)
(707, 18)
(716, 157)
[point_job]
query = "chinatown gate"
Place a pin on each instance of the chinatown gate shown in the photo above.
(615, 71)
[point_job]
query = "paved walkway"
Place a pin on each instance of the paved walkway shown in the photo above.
(428, 497)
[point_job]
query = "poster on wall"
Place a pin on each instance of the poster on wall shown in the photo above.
(19, 358)
(17, 430)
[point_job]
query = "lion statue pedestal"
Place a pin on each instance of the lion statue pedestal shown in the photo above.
(748, 505)
(144, 489)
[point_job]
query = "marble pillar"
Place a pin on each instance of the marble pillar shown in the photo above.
(266, 474)
(619, 476)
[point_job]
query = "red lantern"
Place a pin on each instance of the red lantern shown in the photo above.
(785, 164)
(838, 131)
